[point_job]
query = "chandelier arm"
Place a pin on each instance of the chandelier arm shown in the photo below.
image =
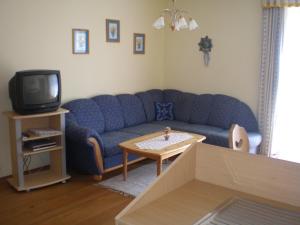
(177, 17)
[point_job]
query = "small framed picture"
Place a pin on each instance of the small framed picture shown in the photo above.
(139, 43)
(80, 41)
(112, 30)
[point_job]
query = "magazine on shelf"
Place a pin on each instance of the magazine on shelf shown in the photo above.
(43, 131)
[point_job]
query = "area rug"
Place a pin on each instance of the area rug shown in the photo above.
(138, 180)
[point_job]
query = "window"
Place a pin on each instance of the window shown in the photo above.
(286, 131)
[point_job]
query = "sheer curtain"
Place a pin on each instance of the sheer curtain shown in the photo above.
(287, 111)
(275, 66)
(273, 26)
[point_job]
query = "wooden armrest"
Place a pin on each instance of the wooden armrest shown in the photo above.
(98, 157)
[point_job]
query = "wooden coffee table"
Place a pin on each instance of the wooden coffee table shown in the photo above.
(158, 155)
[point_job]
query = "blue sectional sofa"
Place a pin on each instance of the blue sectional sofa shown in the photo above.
(95, 126)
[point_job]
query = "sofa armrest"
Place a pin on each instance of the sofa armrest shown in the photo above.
(98, 156)
(84, 149)
(81, 135)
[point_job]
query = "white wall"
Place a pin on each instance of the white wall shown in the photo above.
(37, 34)
(235, 29)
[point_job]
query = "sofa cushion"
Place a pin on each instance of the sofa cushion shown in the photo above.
(149, 98)
(86, 113)
(164, 111)
(182, 103)
(110, 141)
(214, 135)
(145, 128)
(193, 128)
(221, 111)
(173, 124)
(132, 109)
(112, 111)
(201, 108)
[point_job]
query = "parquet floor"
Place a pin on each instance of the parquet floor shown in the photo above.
(77, 202)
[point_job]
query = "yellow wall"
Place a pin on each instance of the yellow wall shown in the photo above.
(38, 34)
(235, 28)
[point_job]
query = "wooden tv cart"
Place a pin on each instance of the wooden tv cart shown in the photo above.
(205, 177)
(22, 180)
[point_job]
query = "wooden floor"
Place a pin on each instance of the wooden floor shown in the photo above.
(79, 201)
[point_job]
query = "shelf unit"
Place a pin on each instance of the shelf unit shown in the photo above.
(57, 168)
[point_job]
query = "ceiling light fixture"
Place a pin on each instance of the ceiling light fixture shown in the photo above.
(176, 19)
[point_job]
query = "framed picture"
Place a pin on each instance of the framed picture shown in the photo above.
(112, 30)
(139, 43)
(80, 41)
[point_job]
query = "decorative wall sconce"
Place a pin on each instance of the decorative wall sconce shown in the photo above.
(205, 45)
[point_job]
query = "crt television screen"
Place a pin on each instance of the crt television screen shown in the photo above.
(40, 89)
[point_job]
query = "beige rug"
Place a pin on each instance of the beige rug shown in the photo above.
(137, 181)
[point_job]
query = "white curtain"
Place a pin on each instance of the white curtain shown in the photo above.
(280, 3)
(273, 28)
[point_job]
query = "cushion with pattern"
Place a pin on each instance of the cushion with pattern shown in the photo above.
(164, 111)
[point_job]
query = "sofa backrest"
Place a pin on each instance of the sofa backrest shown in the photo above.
(182, 103)
(226, 110)
(107, 112)
(148, 99)
(201, 109)
(111, 110)
(132, 108)
(86, 113)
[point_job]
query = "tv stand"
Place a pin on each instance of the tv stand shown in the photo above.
(56, 172)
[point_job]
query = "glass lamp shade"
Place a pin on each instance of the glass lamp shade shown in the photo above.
(193, 24)
(177, 26)
(182, 23)
(159, 23)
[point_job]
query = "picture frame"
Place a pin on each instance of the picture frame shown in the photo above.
(139, 43)
(112, 30)
(80, 41)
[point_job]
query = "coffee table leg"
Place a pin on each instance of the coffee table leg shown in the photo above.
(125, 158)
(159, 165)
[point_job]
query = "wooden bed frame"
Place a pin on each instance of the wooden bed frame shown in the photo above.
(204, 177)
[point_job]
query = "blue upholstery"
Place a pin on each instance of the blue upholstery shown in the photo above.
(117, 160)
(195, 128)
(114, 119)
(201, 108)
(111, 140)
(149, 98)
(80, 157)
(112, 111)
(132, 108)
(182, 103)
(87, 114)
(221, 112)
(145, 128)
(164, 111)
(244, 117)
(81, 148)
(173, 124)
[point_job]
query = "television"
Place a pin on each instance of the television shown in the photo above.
(35, 91)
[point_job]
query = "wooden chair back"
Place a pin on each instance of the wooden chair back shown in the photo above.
(238, 138)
